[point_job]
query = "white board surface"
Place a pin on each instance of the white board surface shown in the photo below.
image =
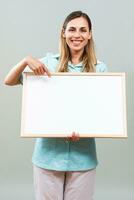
(91, 104)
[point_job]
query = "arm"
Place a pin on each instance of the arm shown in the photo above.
(13, 77)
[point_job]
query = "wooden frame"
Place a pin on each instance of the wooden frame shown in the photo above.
(92, 104)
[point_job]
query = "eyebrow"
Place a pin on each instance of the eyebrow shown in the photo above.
(76, 27)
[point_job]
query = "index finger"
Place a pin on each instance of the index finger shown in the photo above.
(47, 71)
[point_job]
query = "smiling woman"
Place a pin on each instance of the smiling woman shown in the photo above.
(62, 165)
(77, 42)
(77, 34)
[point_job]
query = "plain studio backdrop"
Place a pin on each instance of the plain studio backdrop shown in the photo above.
(32, 27)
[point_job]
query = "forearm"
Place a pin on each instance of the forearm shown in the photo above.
(12, 77)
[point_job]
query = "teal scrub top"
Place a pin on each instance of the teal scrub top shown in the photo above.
(57, 153)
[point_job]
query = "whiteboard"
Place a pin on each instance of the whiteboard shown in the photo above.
(91, 104)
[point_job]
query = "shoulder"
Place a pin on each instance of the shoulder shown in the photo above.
(101, 67)
(51, 61)
(49, 56)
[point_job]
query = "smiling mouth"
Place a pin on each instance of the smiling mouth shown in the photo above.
(76, 41)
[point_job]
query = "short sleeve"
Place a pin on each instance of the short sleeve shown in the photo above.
(51, 61)
(101, 67)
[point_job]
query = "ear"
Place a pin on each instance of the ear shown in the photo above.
(63, 33)
(90, 35)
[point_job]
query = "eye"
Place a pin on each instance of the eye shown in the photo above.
(83, 30)
(71, 29)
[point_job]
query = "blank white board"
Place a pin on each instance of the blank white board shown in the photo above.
(91, 104)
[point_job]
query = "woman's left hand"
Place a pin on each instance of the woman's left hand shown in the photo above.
(75, 137)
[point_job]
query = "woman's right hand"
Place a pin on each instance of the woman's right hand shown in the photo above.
(36, 66)
(13, 77)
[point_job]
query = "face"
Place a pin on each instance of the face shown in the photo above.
(77, 34)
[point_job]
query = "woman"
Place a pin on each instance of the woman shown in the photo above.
(64, 168)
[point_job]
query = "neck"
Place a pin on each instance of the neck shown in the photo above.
(76, 56)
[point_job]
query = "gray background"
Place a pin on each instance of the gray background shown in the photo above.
(32, 27)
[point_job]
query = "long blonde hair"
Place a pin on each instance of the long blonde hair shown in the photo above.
(88, 57)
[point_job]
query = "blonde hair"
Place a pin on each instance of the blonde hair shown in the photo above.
(88, 57)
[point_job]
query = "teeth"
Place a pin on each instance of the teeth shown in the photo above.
(76, 41)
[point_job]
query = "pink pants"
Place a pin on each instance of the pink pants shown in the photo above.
(61, 185)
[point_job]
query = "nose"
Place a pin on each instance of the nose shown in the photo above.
(77, 33)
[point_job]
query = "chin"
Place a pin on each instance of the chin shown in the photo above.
(76, 48)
